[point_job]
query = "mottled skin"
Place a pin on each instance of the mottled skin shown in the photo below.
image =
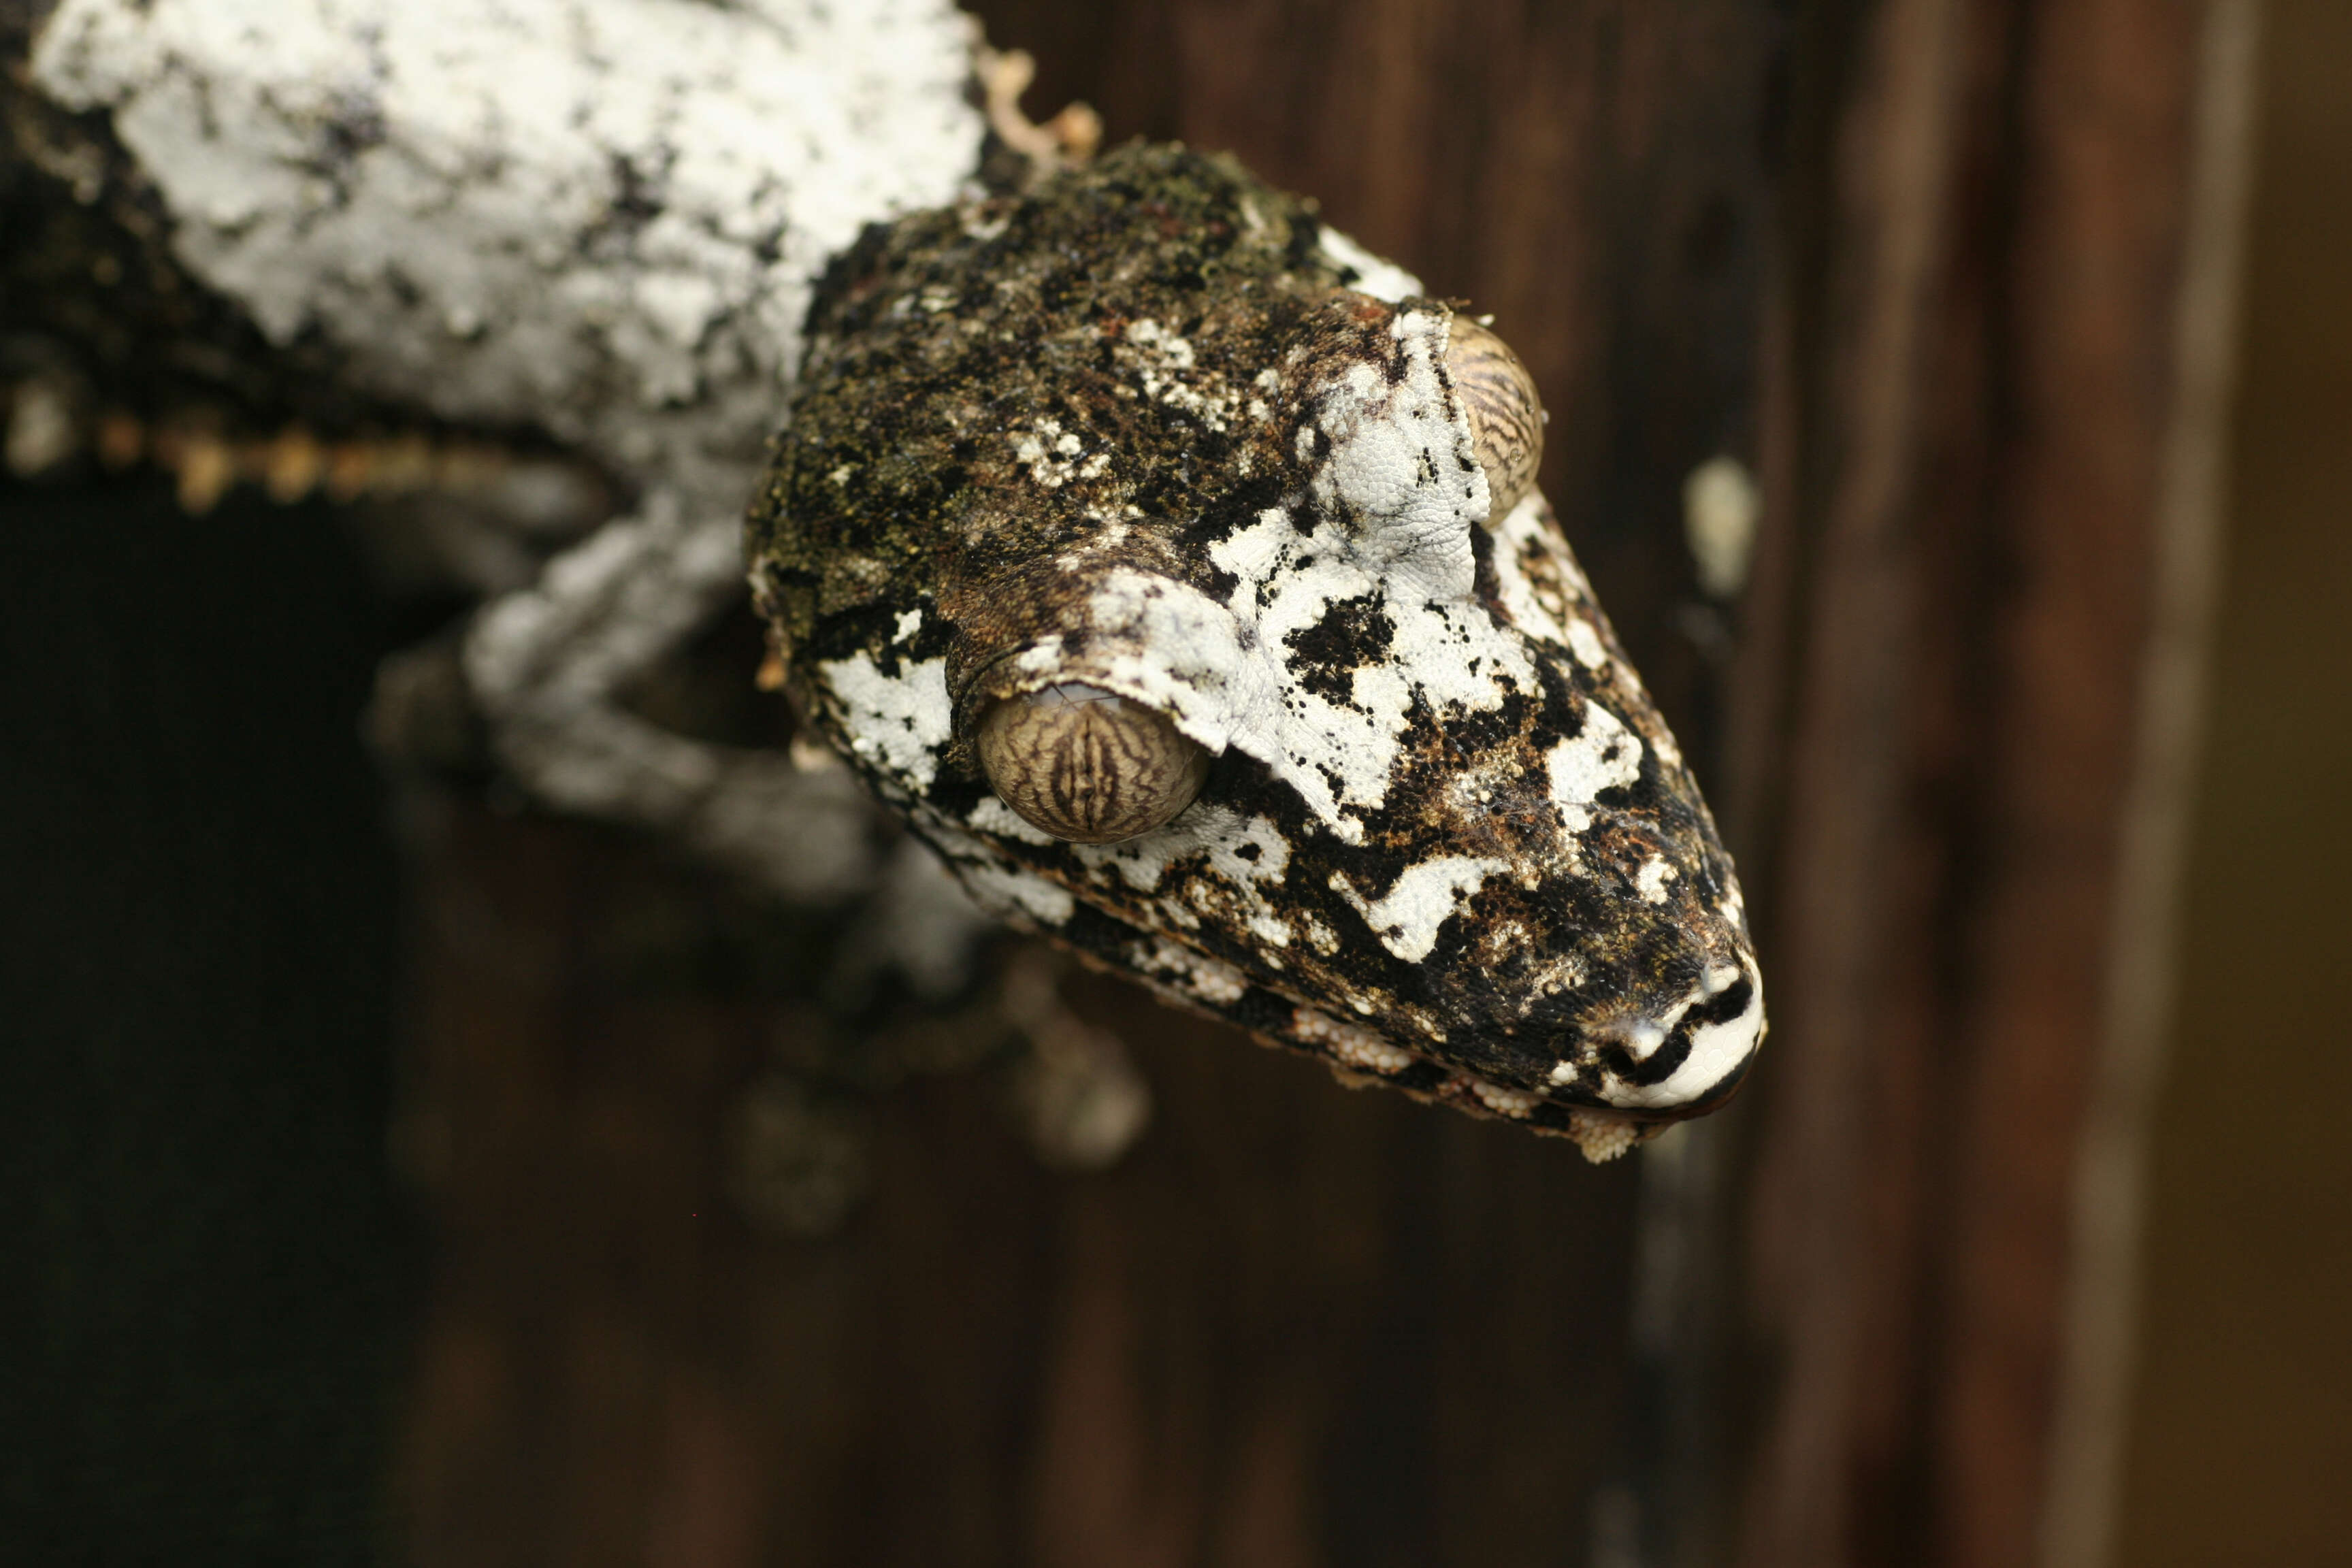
(1142, 426)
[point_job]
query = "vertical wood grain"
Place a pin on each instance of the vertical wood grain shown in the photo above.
(1980, 395)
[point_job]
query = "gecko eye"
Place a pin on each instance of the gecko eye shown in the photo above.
(1507, 417)
(1086, 765)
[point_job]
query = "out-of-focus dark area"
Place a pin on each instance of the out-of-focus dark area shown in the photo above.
(2239, 1441)
(372, 1143)
(209, 1279)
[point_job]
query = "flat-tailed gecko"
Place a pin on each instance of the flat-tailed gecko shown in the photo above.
(1174, 568)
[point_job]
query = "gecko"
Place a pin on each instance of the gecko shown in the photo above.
(1175, 569)
(1168, 564)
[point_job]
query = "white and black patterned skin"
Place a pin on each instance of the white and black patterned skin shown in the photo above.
(1150, 428)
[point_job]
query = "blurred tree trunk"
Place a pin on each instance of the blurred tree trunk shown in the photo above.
(1920, 263)
(2000, 366)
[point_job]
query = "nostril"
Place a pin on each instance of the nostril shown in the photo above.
(1086, 766)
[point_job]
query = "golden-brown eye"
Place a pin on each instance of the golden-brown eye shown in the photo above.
(1088, 766)
(1507, 417)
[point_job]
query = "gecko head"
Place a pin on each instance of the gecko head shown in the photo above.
(1198, 606)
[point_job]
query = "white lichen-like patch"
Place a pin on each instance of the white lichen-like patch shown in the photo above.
(1651, 883)
(900, 721)
(1349, 1045)
(1643, 1033)
(1408, 918)
(1603, 755)
(1533, 601)
(1374, 275)
(1240, 849)
(1163, 364)
(1401, 466)
(1242, 859)
(1670, 755)
(1403, 462)
(1055, 456)
(567, 215)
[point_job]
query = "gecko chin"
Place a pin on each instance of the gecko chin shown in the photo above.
(1143, 434)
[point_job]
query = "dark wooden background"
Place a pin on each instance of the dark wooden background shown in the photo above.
(1914, 262)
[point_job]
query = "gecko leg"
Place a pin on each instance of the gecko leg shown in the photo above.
(549, 667)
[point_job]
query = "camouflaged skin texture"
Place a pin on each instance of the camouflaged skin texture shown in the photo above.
(1150, 427)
